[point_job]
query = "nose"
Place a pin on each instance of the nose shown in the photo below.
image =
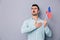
(33, 11)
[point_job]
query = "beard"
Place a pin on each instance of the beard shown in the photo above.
(34, 14)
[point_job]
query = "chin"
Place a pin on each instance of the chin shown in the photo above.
(33, 13)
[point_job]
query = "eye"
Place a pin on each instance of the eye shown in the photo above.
(35, 8)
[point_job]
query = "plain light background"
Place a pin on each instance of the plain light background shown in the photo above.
(14, 12)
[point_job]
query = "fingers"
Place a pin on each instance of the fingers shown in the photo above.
(38, 25)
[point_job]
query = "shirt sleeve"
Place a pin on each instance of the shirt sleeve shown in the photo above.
(26, 28)
(48, 31)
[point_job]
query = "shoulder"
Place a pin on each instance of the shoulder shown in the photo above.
(41, 20)
(27, 20)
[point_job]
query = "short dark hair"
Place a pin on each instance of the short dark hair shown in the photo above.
(36, 6)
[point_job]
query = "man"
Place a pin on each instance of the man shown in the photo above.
(35, 28)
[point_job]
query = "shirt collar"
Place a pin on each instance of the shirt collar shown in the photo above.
(34, 19)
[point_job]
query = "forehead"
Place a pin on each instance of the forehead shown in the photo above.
(34, 6)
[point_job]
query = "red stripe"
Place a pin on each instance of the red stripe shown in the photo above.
(49, 14)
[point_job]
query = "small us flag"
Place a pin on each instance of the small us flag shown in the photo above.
(49, 13)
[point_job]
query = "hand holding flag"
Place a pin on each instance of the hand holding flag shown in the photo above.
(48, 15)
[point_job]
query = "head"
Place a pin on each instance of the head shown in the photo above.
(35, 9)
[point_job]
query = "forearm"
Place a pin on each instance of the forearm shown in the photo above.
(28, 30)
(48, 31)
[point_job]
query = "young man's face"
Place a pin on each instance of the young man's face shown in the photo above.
(35, 10)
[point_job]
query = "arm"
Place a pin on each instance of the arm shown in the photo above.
(26, 28)
(48, 31)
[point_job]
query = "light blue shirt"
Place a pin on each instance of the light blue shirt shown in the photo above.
(34, 33)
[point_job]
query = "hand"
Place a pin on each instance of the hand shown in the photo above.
(45, 23)
(38, 25)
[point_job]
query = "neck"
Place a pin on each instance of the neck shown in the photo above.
(35, 17)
